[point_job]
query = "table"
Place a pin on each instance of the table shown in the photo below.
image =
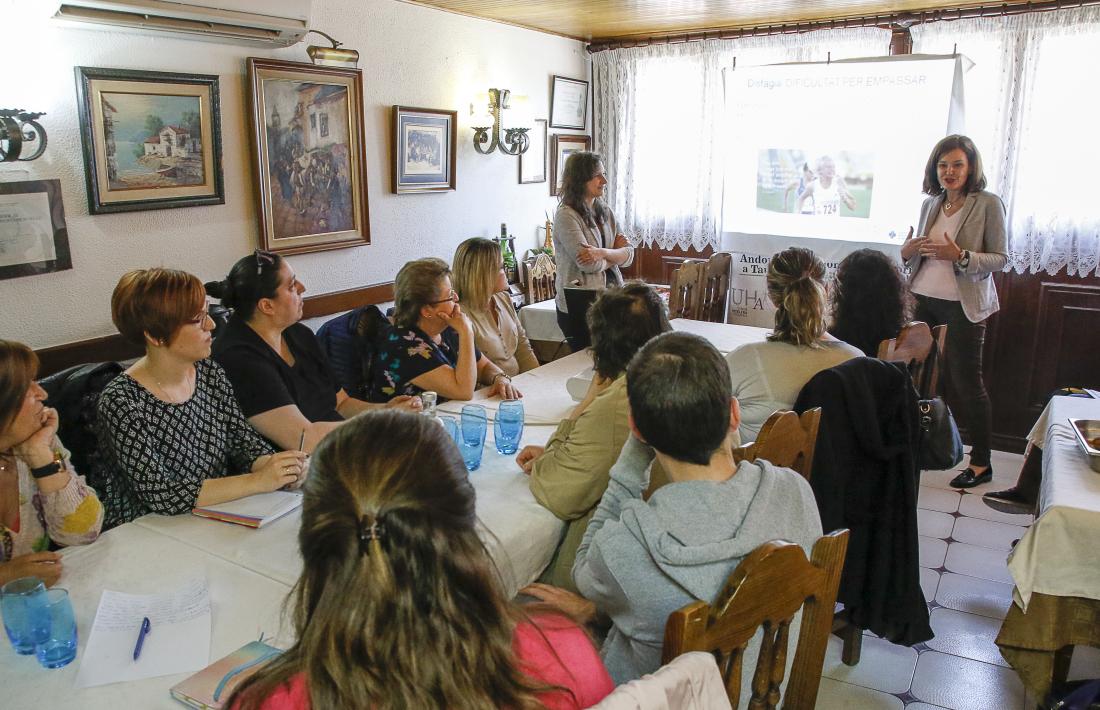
(540, 321)
(1056, 564)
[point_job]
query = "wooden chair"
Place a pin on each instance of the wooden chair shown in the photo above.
(767, 589)
(539, 276)
(915, 346)
(686, 298)
(786, 439)
(716, 286)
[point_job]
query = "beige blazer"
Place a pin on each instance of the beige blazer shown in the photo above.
(503, 341)
(570, 232)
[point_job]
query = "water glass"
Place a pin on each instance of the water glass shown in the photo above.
(471, 440)
(57, 646)
(508, 429)
(450, 425)
(23, 604)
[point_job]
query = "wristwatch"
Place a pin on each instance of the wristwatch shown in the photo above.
(51, 468)
(964, 259)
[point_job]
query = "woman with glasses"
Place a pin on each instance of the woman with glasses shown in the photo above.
(172, 433)
(278, 370)
(431, 346)
(482, 286)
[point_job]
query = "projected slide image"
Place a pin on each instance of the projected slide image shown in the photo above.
(815, 183)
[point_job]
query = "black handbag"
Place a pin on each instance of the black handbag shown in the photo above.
(940, 445)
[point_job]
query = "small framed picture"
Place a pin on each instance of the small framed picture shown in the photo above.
(424, 141)
(568, 103)
(532, 162)
(33, 236)
(563, 147)
(152, 140)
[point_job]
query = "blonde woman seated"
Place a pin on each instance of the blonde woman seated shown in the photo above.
(173, 435)
(768, 376)
(482, 287)
(42, 499)
(431, 346)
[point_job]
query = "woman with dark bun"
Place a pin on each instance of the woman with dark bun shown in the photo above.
(870, 300)
(768, 376)
(278, 371)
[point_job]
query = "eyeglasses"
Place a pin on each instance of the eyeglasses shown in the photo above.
(452, 297)
(262, 257)
(201, 318)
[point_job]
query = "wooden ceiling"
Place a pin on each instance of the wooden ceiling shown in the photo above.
(590, 20)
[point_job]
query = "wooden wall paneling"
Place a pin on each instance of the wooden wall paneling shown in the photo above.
(656, 265)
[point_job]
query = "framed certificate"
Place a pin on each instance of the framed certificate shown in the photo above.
(568, 103)
(33, 236)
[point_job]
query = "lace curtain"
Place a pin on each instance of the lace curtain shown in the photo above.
(1031, 107)
(659, 125)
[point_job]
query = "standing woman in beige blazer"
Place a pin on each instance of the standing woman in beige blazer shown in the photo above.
(961, 243)
(482, 288)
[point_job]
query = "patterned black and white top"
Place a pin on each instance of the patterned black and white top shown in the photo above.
(157, 454)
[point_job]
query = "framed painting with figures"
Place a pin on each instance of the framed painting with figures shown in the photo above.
(308, 156)
(424, 141)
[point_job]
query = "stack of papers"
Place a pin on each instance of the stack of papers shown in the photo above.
(254, 511)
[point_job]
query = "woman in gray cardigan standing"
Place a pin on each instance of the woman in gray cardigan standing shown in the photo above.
(962, 243)
(588, 247)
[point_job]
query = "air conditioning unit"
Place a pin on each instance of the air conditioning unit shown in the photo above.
(271, 22)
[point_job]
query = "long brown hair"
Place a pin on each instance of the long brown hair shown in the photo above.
(580, 167)
(975, 181)
(796, 287)
(399, 604)
(18, 366)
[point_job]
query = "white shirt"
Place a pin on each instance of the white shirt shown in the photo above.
(826, 199)
(936, 277)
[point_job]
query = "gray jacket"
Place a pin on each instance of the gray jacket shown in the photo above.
(982, 233)
(641, 560)
(570, 232)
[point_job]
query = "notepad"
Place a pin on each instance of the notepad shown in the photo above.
(254, 511)
(211, 687)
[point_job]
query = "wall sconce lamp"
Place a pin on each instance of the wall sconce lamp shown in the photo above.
(332, 56)
(21, 136)
(515, 140)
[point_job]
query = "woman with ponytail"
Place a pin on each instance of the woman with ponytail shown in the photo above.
(399, 604)
(768, 376)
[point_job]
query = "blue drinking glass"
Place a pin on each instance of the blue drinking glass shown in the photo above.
(23, 604)
(450, 425)
(58, 647)
(471, 440)
(508, 428)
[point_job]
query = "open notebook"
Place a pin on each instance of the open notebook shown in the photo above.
(211, 687)
(254, 511)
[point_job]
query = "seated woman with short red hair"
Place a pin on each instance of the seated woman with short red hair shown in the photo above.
(173, 435)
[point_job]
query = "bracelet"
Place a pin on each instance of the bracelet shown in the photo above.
(497, 377)
(51, 468)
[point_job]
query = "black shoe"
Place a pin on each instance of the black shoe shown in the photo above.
(1010, 500)
(967, 478)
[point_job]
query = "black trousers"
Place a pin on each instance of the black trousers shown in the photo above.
(577, 338)
(965, 341)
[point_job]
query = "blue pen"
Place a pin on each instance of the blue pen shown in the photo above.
(141, 637)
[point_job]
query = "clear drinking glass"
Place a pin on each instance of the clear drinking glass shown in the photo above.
(471, 440)
(57, 647)
(508, 428)
(450, 425)
(23, 604)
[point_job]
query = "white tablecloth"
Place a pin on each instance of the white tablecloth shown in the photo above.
(540, 320)
(1060, 555)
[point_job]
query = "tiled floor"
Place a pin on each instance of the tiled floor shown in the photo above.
(963, 549)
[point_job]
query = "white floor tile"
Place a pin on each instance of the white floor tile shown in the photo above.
(1085, 663)
(975, 561)
(882, 665)
(835, 695)
(973, 507)
(933, 524)
(938, 479)
(963, 684)
(932, 551)
(973, 595)
(930, 498)
(967, 635)
(986, 533)
(929, 580)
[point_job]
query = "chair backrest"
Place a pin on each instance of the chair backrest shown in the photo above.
(539, 274)
(74, 392)
(915, 346)
(686, 298)
(349, 342)
(786, 439)
(766, 590)
(716, 286)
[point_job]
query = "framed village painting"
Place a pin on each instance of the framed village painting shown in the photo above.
(424, 141)
(309, 156)
(152, 140)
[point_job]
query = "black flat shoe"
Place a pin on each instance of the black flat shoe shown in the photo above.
(1010, 500)
(967, 478)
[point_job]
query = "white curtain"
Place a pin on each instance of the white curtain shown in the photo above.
(1031, 107)
(659, 125)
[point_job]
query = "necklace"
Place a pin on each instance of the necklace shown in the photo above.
(189, 381)
(948, 204)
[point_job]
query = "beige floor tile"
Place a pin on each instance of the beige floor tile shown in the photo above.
(929, 580)
(986, 533)
(963, 684)
(932, 551)
(972, 506)
(933, 524)
(973, 595)
(930, 498)
(967, 635)
(835, 695)
(882, 665)
(975, 561)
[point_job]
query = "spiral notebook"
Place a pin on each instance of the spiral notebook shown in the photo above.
(211, 687)
(255, 511)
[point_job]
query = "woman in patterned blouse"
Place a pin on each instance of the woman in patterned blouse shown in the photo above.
(173, 434)
(431, 346)
(41, 497)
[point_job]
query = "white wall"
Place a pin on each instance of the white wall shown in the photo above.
(409, 55)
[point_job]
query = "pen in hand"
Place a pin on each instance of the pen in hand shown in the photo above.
(302, 441)
(141, 637)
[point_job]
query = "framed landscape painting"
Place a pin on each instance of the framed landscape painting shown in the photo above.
(564, 145)
(424, 141)
(309, 156)
(152, 140)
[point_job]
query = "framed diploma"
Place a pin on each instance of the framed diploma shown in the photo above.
(568, 103)
(33, 237)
